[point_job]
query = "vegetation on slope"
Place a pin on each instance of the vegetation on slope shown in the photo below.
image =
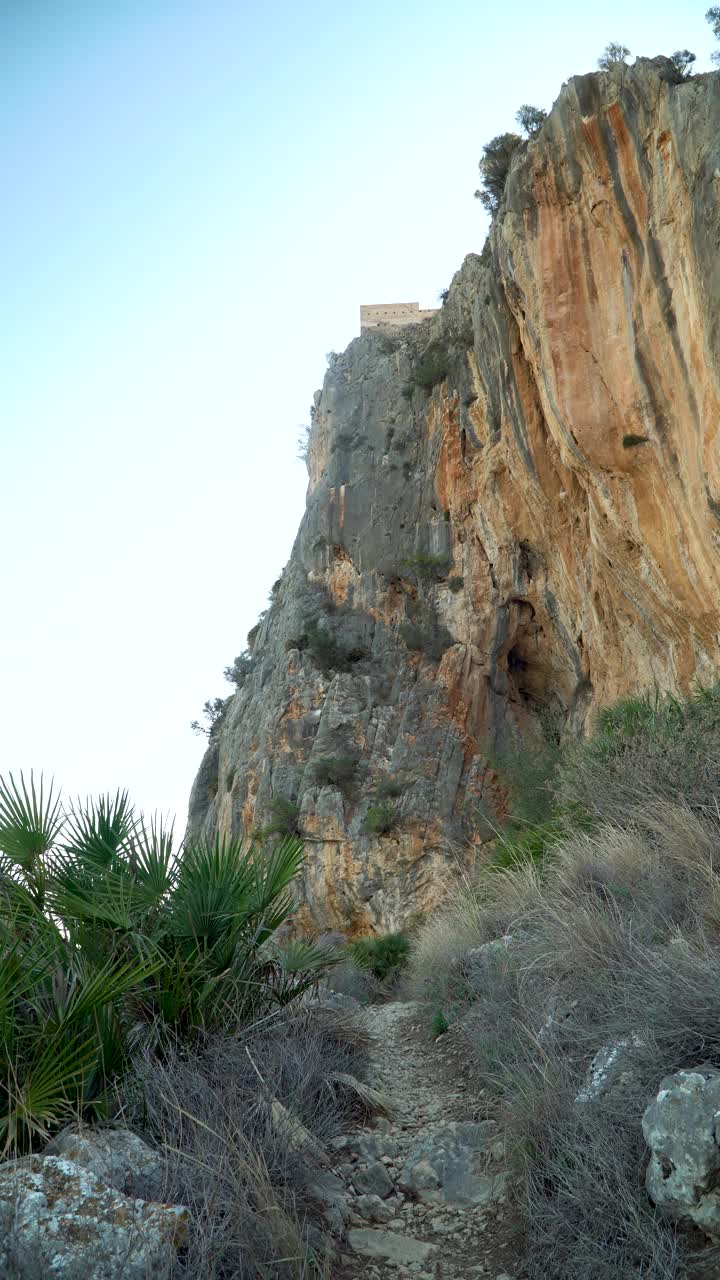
(609, 936)
(145, 984)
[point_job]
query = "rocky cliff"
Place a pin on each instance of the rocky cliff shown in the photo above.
(513, 510)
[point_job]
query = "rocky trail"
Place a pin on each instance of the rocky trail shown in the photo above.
(424, 1191)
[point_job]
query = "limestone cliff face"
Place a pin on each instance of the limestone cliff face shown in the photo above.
(514, 508)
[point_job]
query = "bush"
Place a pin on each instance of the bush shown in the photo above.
(612, 936)
(431, 367)
(494, 168)
(384, 956)
(456, 583)
(439, 1025)
(248, 1190)
(613, 55)
(303, 443)
(240, 669)
(424, 632)
(645, 750)
(630, 440)
(682, 60)
(390, 789)
(425, 566)
(335, 771)
(380, 819)
(214, 711)
(617, 939)
(713, 17)
(109, 941)
(531, 119)
(320, 641)
(284, 819)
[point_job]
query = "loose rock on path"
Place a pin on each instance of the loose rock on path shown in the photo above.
(426, 1190)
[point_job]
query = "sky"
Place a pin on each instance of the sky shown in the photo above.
(197, 196)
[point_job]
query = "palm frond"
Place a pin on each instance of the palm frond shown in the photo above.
(154, 856)
(45, 1092)
(213, 891)
(30, 822)
(97, 830)
(271, 903)
(373, 1100)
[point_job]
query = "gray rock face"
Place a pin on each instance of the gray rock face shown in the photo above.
(115, 1156)
(681, 1130)
(58, 1219)
(480, 548)
(453, 1166)
(388, 1246)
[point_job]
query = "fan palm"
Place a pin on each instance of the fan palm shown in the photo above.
(108, 937)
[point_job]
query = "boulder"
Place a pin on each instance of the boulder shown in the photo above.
(329, 1190)
(680, 1128)
(366, 1146)
(388, 1246)
(452, 1166)
(59, 1219)
(612, 1067)
(374, 1180)
(373, 1209)
(116, 1156)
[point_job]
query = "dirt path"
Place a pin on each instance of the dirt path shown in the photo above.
(436, 1212)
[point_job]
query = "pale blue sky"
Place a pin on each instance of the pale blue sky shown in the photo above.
(197, 196)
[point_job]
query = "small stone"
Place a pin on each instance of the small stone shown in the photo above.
(374, 1180)
(372, 1209)
(451, 1166)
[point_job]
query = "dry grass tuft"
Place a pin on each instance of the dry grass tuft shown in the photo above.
(615, 938)
(253, 1211)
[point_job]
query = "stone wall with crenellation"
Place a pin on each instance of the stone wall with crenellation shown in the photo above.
(395, 314)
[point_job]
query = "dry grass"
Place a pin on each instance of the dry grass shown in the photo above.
(616, 936)
(249, 1190)
(643, 750)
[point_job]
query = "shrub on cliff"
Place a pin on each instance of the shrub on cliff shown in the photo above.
(494, 168)
(335, 771)
(320, 640)
(214, 712)
(682, 60)
(427, 567)
(713, 17)
(431, 367)
(108, 940)
(284, 819)
(239, 671)
(613, 55)
(531, 119)
(380, 819)
(423, 631)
